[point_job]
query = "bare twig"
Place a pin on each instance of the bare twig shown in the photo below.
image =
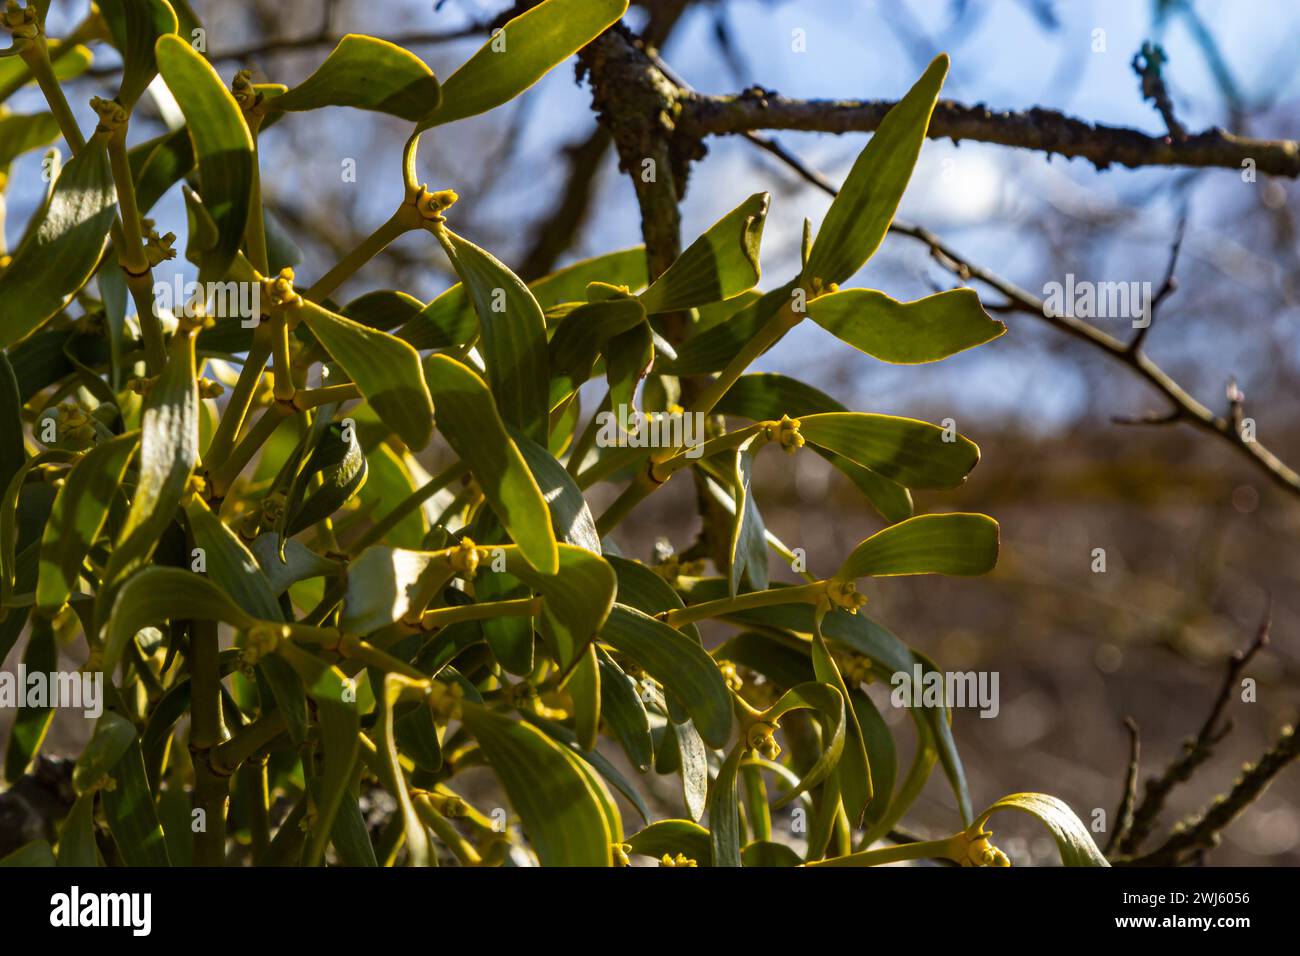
(1167, 287)
(1124, 813)
(1148, 64)
(1045, 130)
(1195, 751)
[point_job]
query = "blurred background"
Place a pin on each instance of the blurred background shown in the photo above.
(1194, 537)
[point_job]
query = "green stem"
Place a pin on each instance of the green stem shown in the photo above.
(243, 453)
(230, 755)
(371, 246)
(801, 594)
(308, 398)
(518, 607)
(36, 54)
(948, 849)
(232, 420)
(211, 788)
(376, 531)
(131, 257)
(588, 438)
(781, 323)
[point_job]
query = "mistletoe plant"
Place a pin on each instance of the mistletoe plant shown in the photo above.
(292, 618)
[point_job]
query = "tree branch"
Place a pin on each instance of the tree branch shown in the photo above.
(1040, 129)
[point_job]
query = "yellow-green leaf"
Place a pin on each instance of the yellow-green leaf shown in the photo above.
(718, 265)
(860, 215)
(78, 516)
(561, 812)
(912, 453)
(221, 142)
(383, 367)
(369, 74)
(906, 333)
(520, 54)
(960, 544)
(60, 253)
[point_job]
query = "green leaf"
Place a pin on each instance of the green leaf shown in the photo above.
(13, 454)
(520, 54)
(22, 132)
(561, 813)
(583, 687)
(113, 735)
(131, 813)
(32, 719)
(860, 215)
(59, 255)
(578, 596)
(711, 349)
(36, 853)
(1072, 838)
(369, 74)
(135, 26)
(77, 845)
(388, 584)
(724, 811)
(159, 593)
(881, 754)
(624, 711)
(230, 564)
(670, 837)
(299, 563)
(749, 534)
(571, 518)
(78, 516)
(853, 771)
(513, 333)
(468, 419)
(827, 700)
(766, 396)
(718, 265)
(768, 853)
(906, 333)
(340, 462)
(169, 448)
(158, 164)
(911, 453)
(961, 544)
(221, 142)
(681, 665)
(581, 335)
(384, 368)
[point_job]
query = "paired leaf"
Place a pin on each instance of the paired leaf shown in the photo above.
(221, 142)
(78, 516)
(906, 333)
(468, 419)
(961, 544)
(860, 216)
(1072, 838)
(513, 332)
(912, 453)
(367, 73)
(681, 665)
(58, 256)
(718, 265)
(135, 26)
(383, 367)
(561, 812)
(520, 54)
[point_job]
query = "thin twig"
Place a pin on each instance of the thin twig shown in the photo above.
(1124, 814)
(1197, 750)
